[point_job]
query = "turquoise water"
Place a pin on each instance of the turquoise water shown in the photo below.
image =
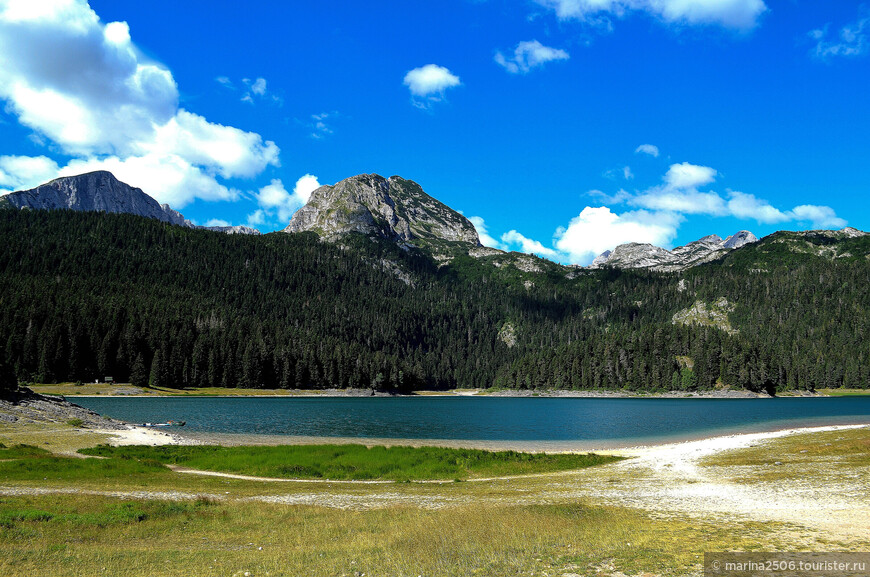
(611, 421)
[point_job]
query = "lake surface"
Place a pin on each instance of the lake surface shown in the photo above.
(583, 421)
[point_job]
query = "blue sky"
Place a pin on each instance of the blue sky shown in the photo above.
(562, 127)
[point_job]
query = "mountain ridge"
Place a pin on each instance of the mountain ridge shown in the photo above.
(101, 191)
(648, 256)
(392, 209)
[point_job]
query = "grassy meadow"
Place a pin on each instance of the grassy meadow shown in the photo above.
(355, 462)
(123, 512)
(74, 535)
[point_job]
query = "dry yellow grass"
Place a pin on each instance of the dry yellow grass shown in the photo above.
(262, 539)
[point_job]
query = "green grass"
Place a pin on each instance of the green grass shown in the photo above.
(819, 457)
(356, 462)
(27, 463)
(844, 392)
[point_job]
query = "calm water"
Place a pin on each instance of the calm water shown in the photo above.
(608, 421)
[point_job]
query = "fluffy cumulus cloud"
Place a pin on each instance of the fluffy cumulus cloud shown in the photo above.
(84, 85)
(23, 172)
(850, 41)
(597, 229)
(429, 83)
(483, 233)
(732, 14)
(523, 244)
(277, 203)
(656, 215)
(650, 149)
(685, 175)
(528, 55)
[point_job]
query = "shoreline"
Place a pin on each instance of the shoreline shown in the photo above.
(462, 393)
(138, 435)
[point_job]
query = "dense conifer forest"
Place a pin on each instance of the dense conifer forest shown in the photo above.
(86, 295)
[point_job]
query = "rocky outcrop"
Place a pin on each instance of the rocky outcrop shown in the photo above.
(640, 255)
(96, 191)
(100, 191)
(739, 239)
(714, 314)
(392, 208)
(233, 229)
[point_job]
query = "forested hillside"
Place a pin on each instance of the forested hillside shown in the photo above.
(86, 295)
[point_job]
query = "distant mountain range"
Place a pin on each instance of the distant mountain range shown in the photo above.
(100, 191)
(375, 284)
(637, 255)
(390, 209)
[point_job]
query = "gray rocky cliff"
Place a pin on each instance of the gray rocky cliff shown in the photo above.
(233, 229)
(393, 208)
(637, 255)
(100, 191)
(96, 191)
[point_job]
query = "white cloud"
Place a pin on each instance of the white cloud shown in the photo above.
(818, 216)
(620, 197)
(649, 149)
(256, 90)
(747, 206)
(483, 233)
(259, 86)
(225, 81)
(277, 203)
(597, 229)
(851, 40)
(682, 201)
(305, 186)
(733, 14)
(528, 55)
(257, 218)
(86, 87)
(25, 172)
(318, 125)
(687, 176)
(169, 178)
(428, 83)
(216, 222)
(527, 245)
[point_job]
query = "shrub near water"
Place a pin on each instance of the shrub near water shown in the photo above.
(357, 462)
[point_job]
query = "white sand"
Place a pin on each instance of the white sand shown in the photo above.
(668, 479)
(144, 436)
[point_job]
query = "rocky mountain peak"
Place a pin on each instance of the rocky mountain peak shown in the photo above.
(637, 255)
(393, 208)
(101, 191)
(739, 239)
(97, 191)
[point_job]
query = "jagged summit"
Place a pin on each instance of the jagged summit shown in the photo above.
(101, 191)
(393, 208)
(641, 255)
(739, 239)
(97, 191)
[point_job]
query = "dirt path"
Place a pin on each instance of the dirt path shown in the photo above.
(828, 501)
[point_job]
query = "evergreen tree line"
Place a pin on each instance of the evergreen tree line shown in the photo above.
(86, 296)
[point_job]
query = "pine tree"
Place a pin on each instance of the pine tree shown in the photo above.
(138, 375)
